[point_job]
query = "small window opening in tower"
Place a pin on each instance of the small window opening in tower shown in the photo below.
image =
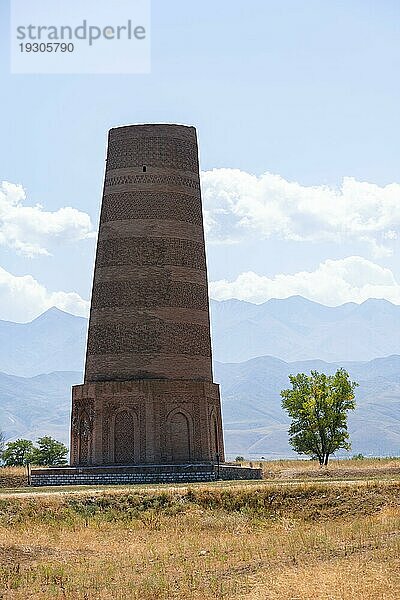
(144, 168)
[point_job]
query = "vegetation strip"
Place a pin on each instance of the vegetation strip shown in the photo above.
(306, 501)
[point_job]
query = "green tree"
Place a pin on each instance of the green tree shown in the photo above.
(318, 405)
(49, 452)
(18, 453)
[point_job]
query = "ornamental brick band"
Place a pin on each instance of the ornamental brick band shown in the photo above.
(151, 205)
(154, 293)
(148, 396)
(151, 252)
(150, 182)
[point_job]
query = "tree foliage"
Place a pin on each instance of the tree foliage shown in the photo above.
(318, 405)
(18, 453)
(50, 452)
(47, 452)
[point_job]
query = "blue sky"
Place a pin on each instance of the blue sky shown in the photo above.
(305, 91)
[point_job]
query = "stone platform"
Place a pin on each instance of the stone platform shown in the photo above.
(141, 474)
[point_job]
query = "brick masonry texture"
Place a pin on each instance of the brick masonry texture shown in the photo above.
(146, 365)
(153, 252)
(151, 337)
(142, 229)
(151, 205)
(144, 182)
(148, 396)
(163, 151)
(153, 293)
(167, 421)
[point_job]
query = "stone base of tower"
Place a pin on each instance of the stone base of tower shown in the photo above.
(141, 474)
(146, 422)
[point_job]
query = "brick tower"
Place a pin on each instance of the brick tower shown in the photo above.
(148, 397)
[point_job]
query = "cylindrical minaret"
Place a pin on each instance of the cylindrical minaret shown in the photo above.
(149, 313)
(148, 396)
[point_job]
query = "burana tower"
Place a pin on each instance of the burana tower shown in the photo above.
(148, 395)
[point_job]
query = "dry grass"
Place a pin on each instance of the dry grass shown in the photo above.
(337, 469)
(306, 541)
(13, 477)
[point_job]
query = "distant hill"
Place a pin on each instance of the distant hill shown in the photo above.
(254, 423)
(298, 329)
(35, 406)
(290, 329)
(54, 341)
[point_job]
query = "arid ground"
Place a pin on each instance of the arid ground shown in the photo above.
(301, 534)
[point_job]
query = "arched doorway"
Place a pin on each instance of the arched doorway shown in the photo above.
(179, 432)
(124, 438)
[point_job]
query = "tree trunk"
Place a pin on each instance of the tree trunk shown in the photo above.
(326, 459)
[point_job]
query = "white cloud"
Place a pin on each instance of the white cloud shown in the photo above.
(239, 204)
(29, 229)
(334, 282)
(24, 298)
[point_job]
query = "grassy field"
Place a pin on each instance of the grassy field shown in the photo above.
(277, 539)
(338, 469)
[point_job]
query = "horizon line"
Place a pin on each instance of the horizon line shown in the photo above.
(292, 297)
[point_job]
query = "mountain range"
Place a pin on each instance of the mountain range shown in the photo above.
(255, 348)
(299, 329)
(254, 423)
(290, 329)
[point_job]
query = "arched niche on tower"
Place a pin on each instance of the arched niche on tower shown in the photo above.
(84, 439)
(125, 437)
(180, 436)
